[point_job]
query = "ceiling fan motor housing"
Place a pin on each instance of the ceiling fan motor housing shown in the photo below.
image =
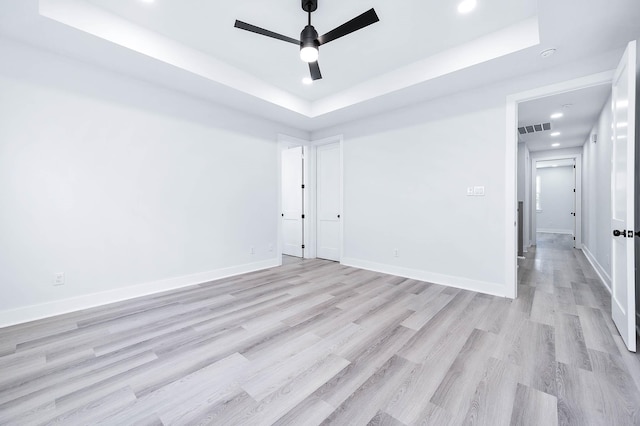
(309, 37)
(309, 5)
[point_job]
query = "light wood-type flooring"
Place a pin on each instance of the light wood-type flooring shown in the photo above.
(314, 342)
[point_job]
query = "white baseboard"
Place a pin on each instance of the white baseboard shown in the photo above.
(604, 277)
(555, 231)
(58, 307)
(431, 277)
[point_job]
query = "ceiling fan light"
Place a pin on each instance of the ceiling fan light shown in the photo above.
(467, 6)
(309, 53)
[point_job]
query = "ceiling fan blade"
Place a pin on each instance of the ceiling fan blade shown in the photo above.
(367, 18)
(315, 70)
(262, 31)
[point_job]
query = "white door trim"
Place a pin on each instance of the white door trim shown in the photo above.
(511, 163)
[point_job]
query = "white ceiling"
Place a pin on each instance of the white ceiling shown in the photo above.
(406, 33)
(418, 51)
(580, 109)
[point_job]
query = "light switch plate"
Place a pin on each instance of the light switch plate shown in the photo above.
(470, 191)
(478, 190)
(58, 278)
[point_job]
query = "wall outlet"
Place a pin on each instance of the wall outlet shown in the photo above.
(396, 253)
(270, 247)
(252, 250)
(478, 191)
(58, 278)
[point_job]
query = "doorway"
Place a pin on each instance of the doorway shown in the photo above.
(292, 189)
(310, 197)
(616, 122)
(557, 196)
(532, 134)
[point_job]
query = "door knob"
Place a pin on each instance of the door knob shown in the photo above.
(617, 233)
(338, 216)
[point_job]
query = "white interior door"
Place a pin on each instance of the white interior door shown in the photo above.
(622, 198)
(292, 202)
(329, 239)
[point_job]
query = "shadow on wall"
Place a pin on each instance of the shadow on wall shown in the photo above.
(22, 62)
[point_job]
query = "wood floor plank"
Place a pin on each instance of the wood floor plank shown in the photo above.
(383, 419)
(574, 402)
(340, 387)
(597, 334)
(313, 410)
(532, 407)
(543, 308)
(570, 345)
(293, 391)
(455, 390)
(493, 396)
(362, 405)
(533, 350)
(270, 378)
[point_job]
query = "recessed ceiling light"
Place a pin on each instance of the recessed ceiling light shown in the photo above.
(554, 134)
(547, 52)
(555, 145)
(467, 6)
(307, 80)
(147, 1)
(557, 115)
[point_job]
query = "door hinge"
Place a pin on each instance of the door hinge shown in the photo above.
(303, 186)
(574, 238)
(303, 246)
(574, 190)
(303, 216)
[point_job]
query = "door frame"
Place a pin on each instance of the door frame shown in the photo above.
(310, 193)
(511, 163)
(547, 156)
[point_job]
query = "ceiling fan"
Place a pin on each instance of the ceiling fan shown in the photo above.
(309, 40)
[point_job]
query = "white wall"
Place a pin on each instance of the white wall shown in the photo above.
(597, 194)
(406, 175)
(556, 200)
(125, 187)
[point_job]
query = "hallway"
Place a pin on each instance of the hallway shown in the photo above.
(597, 380)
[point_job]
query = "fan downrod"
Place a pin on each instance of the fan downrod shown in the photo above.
(309, 5)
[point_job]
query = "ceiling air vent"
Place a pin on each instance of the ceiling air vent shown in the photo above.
(542, 127)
